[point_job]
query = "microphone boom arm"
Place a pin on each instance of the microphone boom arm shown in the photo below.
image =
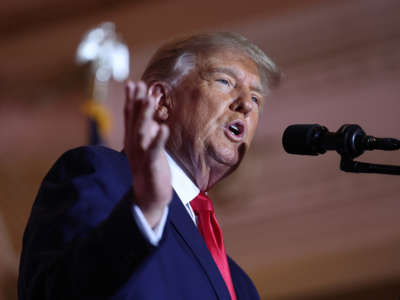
(355, 142)
(349, 165)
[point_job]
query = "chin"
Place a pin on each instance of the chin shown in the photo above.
(228, 156)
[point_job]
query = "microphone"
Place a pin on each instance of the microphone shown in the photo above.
(350, 140)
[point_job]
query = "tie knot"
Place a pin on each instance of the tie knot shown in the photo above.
(202, 203)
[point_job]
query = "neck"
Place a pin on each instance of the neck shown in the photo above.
(205, 173)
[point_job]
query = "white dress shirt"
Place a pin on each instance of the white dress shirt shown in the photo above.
(184, 188)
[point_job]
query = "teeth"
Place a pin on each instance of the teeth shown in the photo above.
(234, 129)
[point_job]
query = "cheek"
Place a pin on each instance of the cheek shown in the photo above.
(212, 106)
(209, 118)
(205, 112)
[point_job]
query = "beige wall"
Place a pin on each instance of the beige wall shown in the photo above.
(301, 227)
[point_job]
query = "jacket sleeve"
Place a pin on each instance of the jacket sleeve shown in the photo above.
(81, 241)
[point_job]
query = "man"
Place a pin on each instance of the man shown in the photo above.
(131, 225)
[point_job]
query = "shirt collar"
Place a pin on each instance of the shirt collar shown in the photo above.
(182, 184)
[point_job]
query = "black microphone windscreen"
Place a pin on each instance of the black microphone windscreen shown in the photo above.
(298, 139)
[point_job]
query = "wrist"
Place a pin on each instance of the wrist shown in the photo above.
(153, 215)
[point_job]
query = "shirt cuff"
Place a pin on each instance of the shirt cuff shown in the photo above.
(152, 235)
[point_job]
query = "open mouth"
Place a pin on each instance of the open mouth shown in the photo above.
(235, 130)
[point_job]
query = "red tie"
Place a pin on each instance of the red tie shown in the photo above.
(212, 235)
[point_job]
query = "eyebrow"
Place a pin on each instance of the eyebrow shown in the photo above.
(231, 72)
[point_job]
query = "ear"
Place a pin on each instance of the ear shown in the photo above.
(161, 92)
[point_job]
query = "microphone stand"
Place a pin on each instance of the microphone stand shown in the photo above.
(347, 164)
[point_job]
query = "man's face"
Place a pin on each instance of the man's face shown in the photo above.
(215, 112)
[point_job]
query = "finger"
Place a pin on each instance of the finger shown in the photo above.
(141, 90)
(139, 96)
(159, 141)
(130, 88)
(147, 127)
(139, 116)
(149, 108)
(147, 114)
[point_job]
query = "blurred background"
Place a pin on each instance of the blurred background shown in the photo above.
(302, 228)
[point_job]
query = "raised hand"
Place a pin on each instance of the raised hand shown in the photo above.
(144, 142)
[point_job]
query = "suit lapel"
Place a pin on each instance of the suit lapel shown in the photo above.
(183, 224)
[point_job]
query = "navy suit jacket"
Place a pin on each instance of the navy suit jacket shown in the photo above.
(81, 241)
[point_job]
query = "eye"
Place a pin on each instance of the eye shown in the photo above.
(255, 99)
(223, 81)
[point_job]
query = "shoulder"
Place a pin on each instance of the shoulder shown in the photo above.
(91, 168)
(92, 155)
(87, 160)
(84, 183)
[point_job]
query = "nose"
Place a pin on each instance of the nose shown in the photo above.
(242, 105)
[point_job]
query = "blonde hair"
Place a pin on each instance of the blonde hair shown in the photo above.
(175, 59)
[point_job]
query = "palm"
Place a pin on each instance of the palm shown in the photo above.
(144, 144)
